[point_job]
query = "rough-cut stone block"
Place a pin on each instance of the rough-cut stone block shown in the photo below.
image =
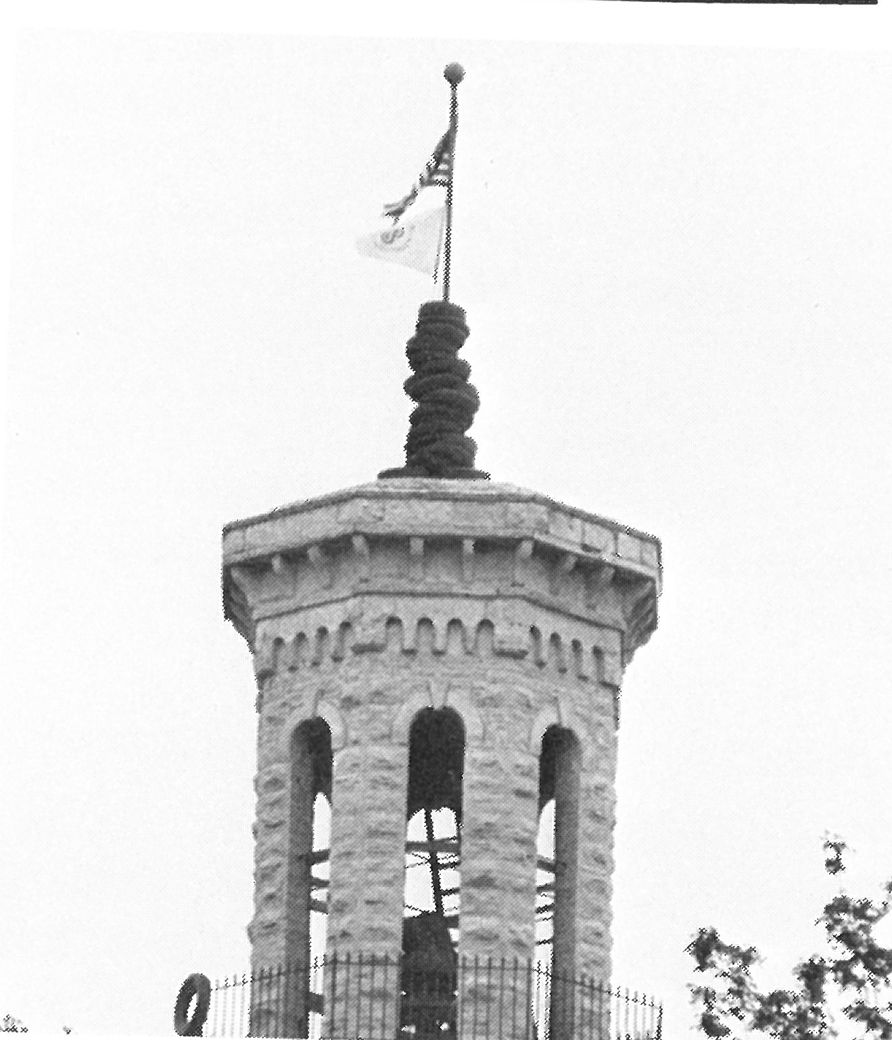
(565, 526)
(628, 546)
(650, 553)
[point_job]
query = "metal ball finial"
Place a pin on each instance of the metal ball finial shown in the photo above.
(454, 73)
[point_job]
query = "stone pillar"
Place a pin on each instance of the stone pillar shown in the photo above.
(365, 907)
(498, 889)
(297, 935)
(280, 931)
(268, 928)
(564, 997)
(271, 845)
(596, 824)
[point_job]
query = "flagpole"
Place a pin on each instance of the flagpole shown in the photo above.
(454, 74)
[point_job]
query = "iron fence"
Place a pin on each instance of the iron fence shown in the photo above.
(372, 997)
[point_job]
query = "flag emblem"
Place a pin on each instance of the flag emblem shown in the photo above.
(414, 243)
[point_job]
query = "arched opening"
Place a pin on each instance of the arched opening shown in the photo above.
(545, 884)
(560, 764)
(308, 862)
(320, 876)
(433, 855)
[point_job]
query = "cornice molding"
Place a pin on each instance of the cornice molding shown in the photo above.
(459, 542)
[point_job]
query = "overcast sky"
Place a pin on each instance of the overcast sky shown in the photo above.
(675, 261)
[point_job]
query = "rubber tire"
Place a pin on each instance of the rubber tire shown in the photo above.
(196, 985)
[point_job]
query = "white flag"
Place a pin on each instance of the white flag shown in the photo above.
(414, 242)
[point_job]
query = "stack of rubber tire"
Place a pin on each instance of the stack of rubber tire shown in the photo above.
(191, 1009)
(437, 444)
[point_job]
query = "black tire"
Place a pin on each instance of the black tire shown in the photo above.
(199, 986)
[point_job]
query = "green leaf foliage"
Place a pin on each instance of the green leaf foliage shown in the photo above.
(732, 1005)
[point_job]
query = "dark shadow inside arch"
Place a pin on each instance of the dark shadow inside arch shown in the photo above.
(559, 745)
(433, 842)
(436, 761)
(314, 738)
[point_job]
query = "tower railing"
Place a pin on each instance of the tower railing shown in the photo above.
(375, 997)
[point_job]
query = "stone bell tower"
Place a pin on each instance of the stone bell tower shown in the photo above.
(434, 642)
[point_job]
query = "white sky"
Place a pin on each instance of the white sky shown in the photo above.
(672, 240)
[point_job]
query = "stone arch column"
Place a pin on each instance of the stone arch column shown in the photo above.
(498, 886)
(596, 826)
(561, 772)
(280, 932)
(365, 905)
(578, 772)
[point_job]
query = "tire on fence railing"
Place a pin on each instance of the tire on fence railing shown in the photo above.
(196, 987)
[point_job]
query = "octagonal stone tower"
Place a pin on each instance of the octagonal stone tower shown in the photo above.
(515, 614)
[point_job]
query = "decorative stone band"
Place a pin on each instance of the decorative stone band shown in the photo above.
(520, 574)
(316, 649)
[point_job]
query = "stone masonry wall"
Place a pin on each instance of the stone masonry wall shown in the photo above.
(512, 633)
(369, 698)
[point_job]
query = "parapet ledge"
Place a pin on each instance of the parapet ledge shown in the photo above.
(433, 507)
